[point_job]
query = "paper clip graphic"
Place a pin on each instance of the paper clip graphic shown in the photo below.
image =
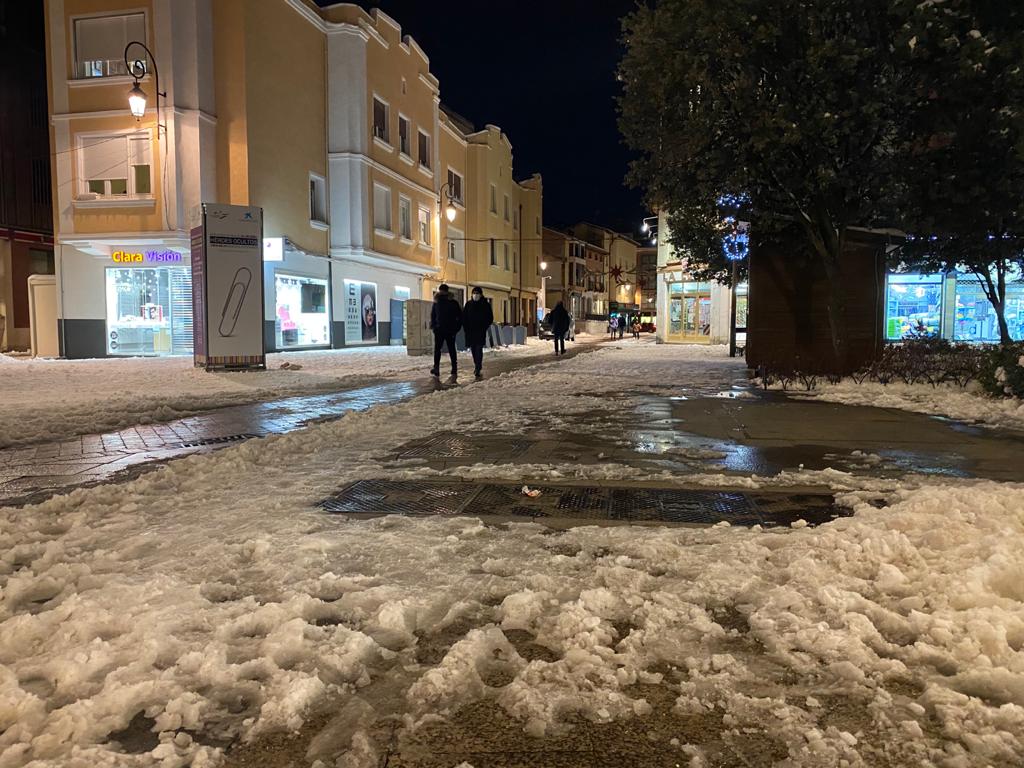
(234, 301)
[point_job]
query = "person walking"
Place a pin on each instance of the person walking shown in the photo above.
(613, 326)
(559, 327)
(622, 327)
(477, 317)
(636, 329)
(572, 327)
(445, 322)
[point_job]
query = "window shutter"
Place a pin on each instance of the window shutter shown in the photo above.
(105, 157)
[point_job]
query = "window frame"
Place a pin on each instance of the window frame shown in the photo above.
(456, 245)
(402, 119)
(453, 174)
(507, 208)
(318, 183)
(420, 144)
(389, 229)
(404, 202)
(423, 218)
(386, 138)
(131, 192)
(494, 199)
(76, 76)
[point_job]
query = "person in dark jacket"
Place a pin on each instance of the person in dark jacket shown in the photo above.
(559, 327)
(445, 322)
(477, 317)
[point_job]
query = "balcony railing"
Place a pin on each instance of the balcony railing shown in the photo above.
(103, 68)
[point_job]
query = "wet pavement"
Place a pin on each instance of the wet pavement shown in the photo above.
(33, 473)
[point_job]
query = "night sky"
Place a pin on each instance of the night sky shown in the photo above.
(545, 73)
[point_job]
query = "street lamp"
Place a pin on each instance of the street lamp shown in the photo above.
(543, 265)
(138, 68)
(450, 210)
(645, 225)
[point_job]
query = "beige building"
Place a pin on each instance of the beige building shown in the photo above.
(345, 149)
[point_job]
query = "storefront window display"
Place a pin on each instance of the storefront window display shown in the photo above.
(149, 311)
(913, 306)
(301, 311)
(975, 318)
(689, 311)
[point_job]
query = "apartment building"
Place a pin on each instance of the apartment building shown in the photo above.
(621, 288)
(344, 149)
(566, 270)
(26, 218)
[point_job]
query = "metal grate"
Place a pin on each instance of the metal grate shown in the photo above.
(451, 446)
(674, 505)
(217, 440)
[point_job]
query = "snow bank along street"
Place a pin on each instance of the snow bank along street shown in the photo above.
(196, 612)
(48, 399)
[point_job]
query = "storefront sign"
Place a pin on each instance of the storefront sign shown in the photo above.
(151, 257)
(230, 265)
(360, 312)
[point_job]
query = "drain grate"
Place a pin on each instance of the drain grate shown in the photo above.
(217, 440)
(673, 505)
(452, 446)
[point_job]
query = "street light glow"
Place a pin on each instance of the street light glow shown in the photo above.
(137, 101)
(449, 212)
(644, 227)
(543, 265)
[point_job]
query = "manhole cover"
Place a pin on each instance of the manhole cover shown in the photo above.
(671, 505)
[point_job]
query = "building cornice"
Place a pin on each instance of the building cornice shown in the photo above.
(381, 168)
(120, 113)
(382, 261)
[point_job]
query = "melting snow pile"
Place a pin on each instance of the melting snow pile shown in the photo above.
(154, 623)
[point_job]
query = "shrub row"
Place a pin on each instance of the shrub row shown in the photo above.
(999, 369)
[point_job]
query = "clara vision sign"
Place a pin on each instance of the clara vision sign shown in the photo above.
(149, 257)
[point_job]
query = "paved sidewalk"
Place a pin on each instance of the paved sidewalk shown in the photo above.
(32, 473)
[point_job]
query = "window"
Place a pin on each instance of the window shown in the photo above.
(100, 42)
(504, 250)
(300, 307)
(506, 208)
(494, 199)
(494, 253)
(515, 219)
(515, 260)
(455, 185)
(149, 310)
(424, 217)
(317, 198)
(405, 217)
(537, 221)
(424, 148)
(381, 208)
(118, 165)
(913, 306)
(404, 142)
(380, 121)
(456, 246)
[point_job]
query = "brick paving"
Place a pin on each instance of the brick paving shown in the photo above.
(29, 474)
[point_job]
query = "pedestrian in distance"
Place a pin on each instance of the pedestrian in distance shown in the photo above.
(572, 327)
(477, 317)
(559, 327)
(636, 329)
(613, 326)
(445, 322)
(622, 327)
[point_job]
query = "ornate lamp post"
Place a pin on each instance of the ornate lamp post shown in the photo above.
(138, 68)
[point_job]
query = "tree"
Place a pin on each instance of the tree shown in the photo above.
(962, 197)
(793, 102)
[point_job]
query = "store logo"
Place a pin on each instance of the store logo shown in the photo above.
(153, 257)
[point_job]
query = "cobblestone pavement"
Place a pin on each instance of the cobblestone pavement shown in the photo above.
(32, 473)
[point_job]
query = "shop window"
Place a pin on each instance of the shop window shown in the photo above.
(118, 165)
(301, 318)
(405, 217)
(149, 311)
(404, 142)
(381, 208)
(380, 121)
(975, 318)
(424, 221)
(424, 149)
(456, 246)
(913, 306)
(100, 42)
(317, 198)
(455, 185)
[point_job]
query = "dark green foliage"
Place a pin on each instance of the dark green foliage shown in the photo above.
(1002, 373)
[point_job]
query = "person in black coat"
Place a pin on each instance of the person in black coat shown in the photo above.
(477, 317)
(559, 326)
(445, 322)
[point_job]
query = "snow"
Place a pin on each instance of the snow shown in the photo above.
(213, 598)
(971, 405)
(43, 399)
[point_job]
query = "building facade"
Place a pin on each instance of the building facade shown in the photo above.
(345, 149)
(26, 214)
(691, 311)
(647, 279)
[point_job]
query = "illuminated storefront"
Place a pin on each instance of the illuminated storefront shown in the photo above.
(950, 306)
(301, 316)
(149, 311)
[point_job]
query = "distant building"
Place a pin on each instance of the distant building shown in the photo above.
(26, 215)
(647, 277)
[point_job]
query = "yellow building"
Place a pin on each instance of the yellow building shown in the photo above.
(344, 148)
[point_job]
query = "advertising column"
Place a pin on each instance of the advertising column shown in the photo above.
(227, 279)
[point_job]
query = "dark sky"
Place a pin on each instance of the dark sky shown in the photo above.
(545, 73)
